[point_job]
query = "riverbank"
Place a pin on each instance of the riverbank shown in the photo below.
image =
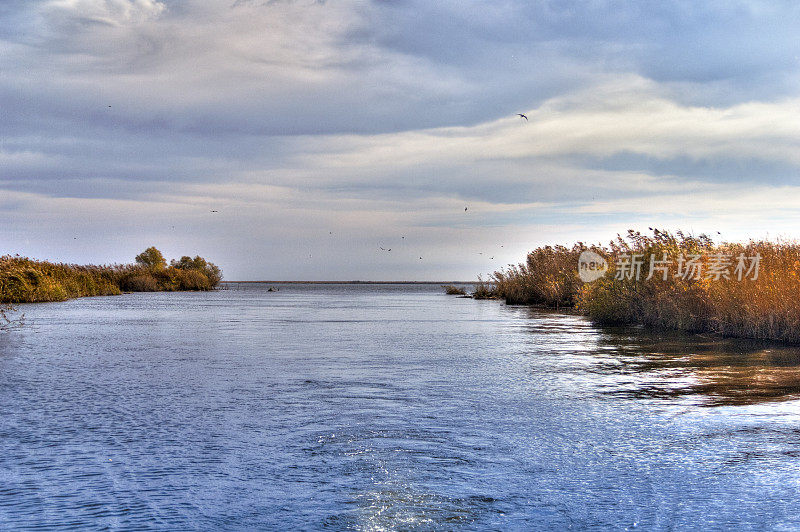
(24, 280)
(666, 280)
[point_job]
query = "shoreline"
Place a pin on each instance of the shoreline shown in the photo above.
(354, 282)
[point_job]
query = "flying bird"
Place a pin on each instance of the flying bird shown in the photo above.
(214, 211)
(465, 209)
(523, 116)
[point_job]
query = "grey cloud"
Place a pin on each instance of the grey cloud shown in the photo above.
(317, 99)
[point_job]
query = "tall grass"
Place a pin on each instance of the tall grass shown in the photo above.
(24, 280)
(452, 290)
(547, 277)
(767, 307)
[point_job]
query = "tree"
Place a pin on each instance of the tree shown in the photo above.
(152, 259)
(209, 269)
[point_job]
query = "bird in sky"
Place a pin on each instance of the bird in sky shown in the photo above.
(465, 209)
(523, 116)
(214, 211)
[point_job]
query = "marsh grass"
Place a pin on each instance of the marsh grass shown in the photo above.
(485, 290)
(765, 308)
(23, 280)
(452, 290)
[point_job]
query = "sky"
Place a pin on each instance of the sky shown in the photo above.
(323, 131)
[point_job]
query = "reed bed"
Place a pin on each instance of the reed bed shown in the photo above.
(452, 290)
(24, 280)
(747, 290)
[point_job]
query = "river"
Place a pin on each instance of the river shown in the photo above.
(385, 407)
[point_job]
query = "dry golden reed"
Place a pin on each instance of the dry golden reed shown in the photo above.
(23, 280)
(767, 307)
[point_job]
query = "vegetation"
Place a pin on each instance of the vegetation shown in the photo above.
(24, 280)
(696, 285)
(452, 290)
(485, 290)
(549, 276)
(5, 320)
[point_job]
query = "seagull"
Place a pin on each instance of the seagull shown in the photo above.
(523, 116)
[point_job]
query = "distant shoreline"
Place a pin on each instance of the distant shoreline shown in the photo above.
(24, 280)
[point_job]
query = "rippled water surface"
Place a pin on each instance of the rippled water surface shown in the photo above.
(385, 407)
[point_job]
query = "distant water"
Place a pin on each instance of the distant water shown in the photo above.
(375, 407)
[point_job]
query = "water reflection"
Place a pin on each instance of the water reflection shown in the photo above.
(706, 370)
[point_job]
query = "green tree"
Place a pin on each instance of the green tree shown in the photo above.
(152, 259)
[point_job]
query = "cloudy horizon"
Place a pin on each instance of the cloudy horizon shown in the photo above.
(322, 132)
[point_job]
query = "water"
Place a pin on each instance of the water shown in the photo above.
(385, 407)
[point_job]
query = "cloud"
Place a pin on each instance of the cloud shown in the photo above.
(110, 12)
(298, 118)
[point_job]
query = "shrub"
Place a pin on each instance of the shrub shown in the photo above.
(143, 282)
